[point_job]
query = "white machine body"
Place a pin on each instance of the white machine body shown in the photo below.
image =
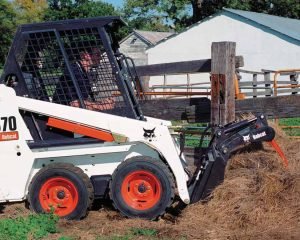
(20, 163)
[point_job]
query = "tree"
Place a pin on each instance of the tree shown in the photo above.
(30, 11)
(7, 28)
(178, 14)
(71, 9)
(156, 14)
(285, 8)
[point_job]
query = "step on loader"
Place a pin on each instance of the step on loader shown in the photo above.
(72, 130)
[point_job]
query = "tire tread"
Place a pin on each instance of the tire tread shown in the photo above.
(72, 168)
(156, 162)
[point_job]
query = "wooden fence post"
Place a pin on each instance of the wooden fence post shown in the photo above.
(222, 82)
(267, 79)
(254, 84)
(294, 81)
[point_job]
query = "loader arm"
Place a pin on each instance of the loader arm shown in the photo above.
(210, 172)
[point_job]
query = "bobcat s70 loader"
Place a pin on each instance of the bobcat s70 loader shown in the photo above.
(71, 129)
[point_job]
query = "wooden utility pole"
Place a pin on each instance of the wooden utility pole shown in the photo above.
(222, 82)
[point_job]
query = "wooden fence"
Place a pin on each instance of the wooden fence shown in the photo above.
(269, 83)
(256, 84)
(222, 67)
(223, 107)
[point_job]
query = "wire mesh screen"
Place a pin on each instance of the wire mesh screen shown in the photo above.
(71, 67)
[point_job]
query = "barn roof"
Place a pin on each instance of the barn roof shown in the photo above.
(286, 26)
(150, 37)
(153, 37)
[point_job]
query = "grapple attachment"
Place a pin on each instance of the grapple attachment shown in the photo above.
(210, 173)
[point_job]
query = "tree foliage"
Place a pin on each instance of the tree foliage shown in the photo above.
(156, 14)
(7, 28)
(72, 9)
(286, 8)
(178, 14)
(30, 11)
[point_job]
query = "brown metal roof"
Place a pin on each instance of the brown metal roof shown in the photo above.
(152, 37)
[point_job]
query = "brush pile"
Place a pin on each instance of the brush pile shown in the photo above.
(259, 199)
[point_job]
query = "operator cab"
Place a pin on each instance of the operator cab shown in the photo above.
(70, 62)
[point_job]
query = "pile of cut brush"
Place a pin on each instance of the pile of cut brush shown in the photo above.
(259, 198)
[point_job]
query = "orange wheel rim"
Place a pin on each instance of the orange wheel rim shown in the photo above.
(59, 195)
(141, 190)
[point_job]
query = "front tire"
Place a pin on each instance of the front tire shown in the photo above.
(62, 188)
(142, 187)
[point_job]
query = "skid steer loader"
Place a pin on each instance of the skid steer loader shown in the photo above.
(71, 129)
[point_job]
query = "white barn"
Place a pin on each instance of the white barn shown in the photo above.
(265, 41)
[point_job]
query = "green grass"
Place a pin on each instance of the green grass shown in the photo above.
(290, 122)
(193, 140)
(144, 232)
(66, 238)
(32, 227)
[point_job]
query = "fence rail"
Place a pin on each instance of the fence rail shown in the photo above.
(268, 87)
(255, 88)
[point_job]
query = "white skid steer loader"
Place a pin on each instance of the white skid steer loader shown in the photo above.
(71, 129)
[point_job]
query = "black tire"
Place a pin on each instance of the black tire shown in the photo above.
(157, 185)
(66, 180)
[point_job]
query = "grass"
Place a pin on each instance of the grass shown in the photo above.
(193, 133)
(66, 238)
(36, 226)
(144, 232)
(287, 122)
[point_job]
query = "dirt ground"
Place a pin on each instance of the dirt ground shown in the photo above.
(259, 199)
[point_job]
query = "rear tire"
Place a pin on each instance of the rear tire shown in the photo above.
(62, 188)
(142, 187)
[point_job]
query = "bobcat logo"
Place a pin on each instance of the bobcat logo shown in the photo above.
(149, 133)
(246, 138)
